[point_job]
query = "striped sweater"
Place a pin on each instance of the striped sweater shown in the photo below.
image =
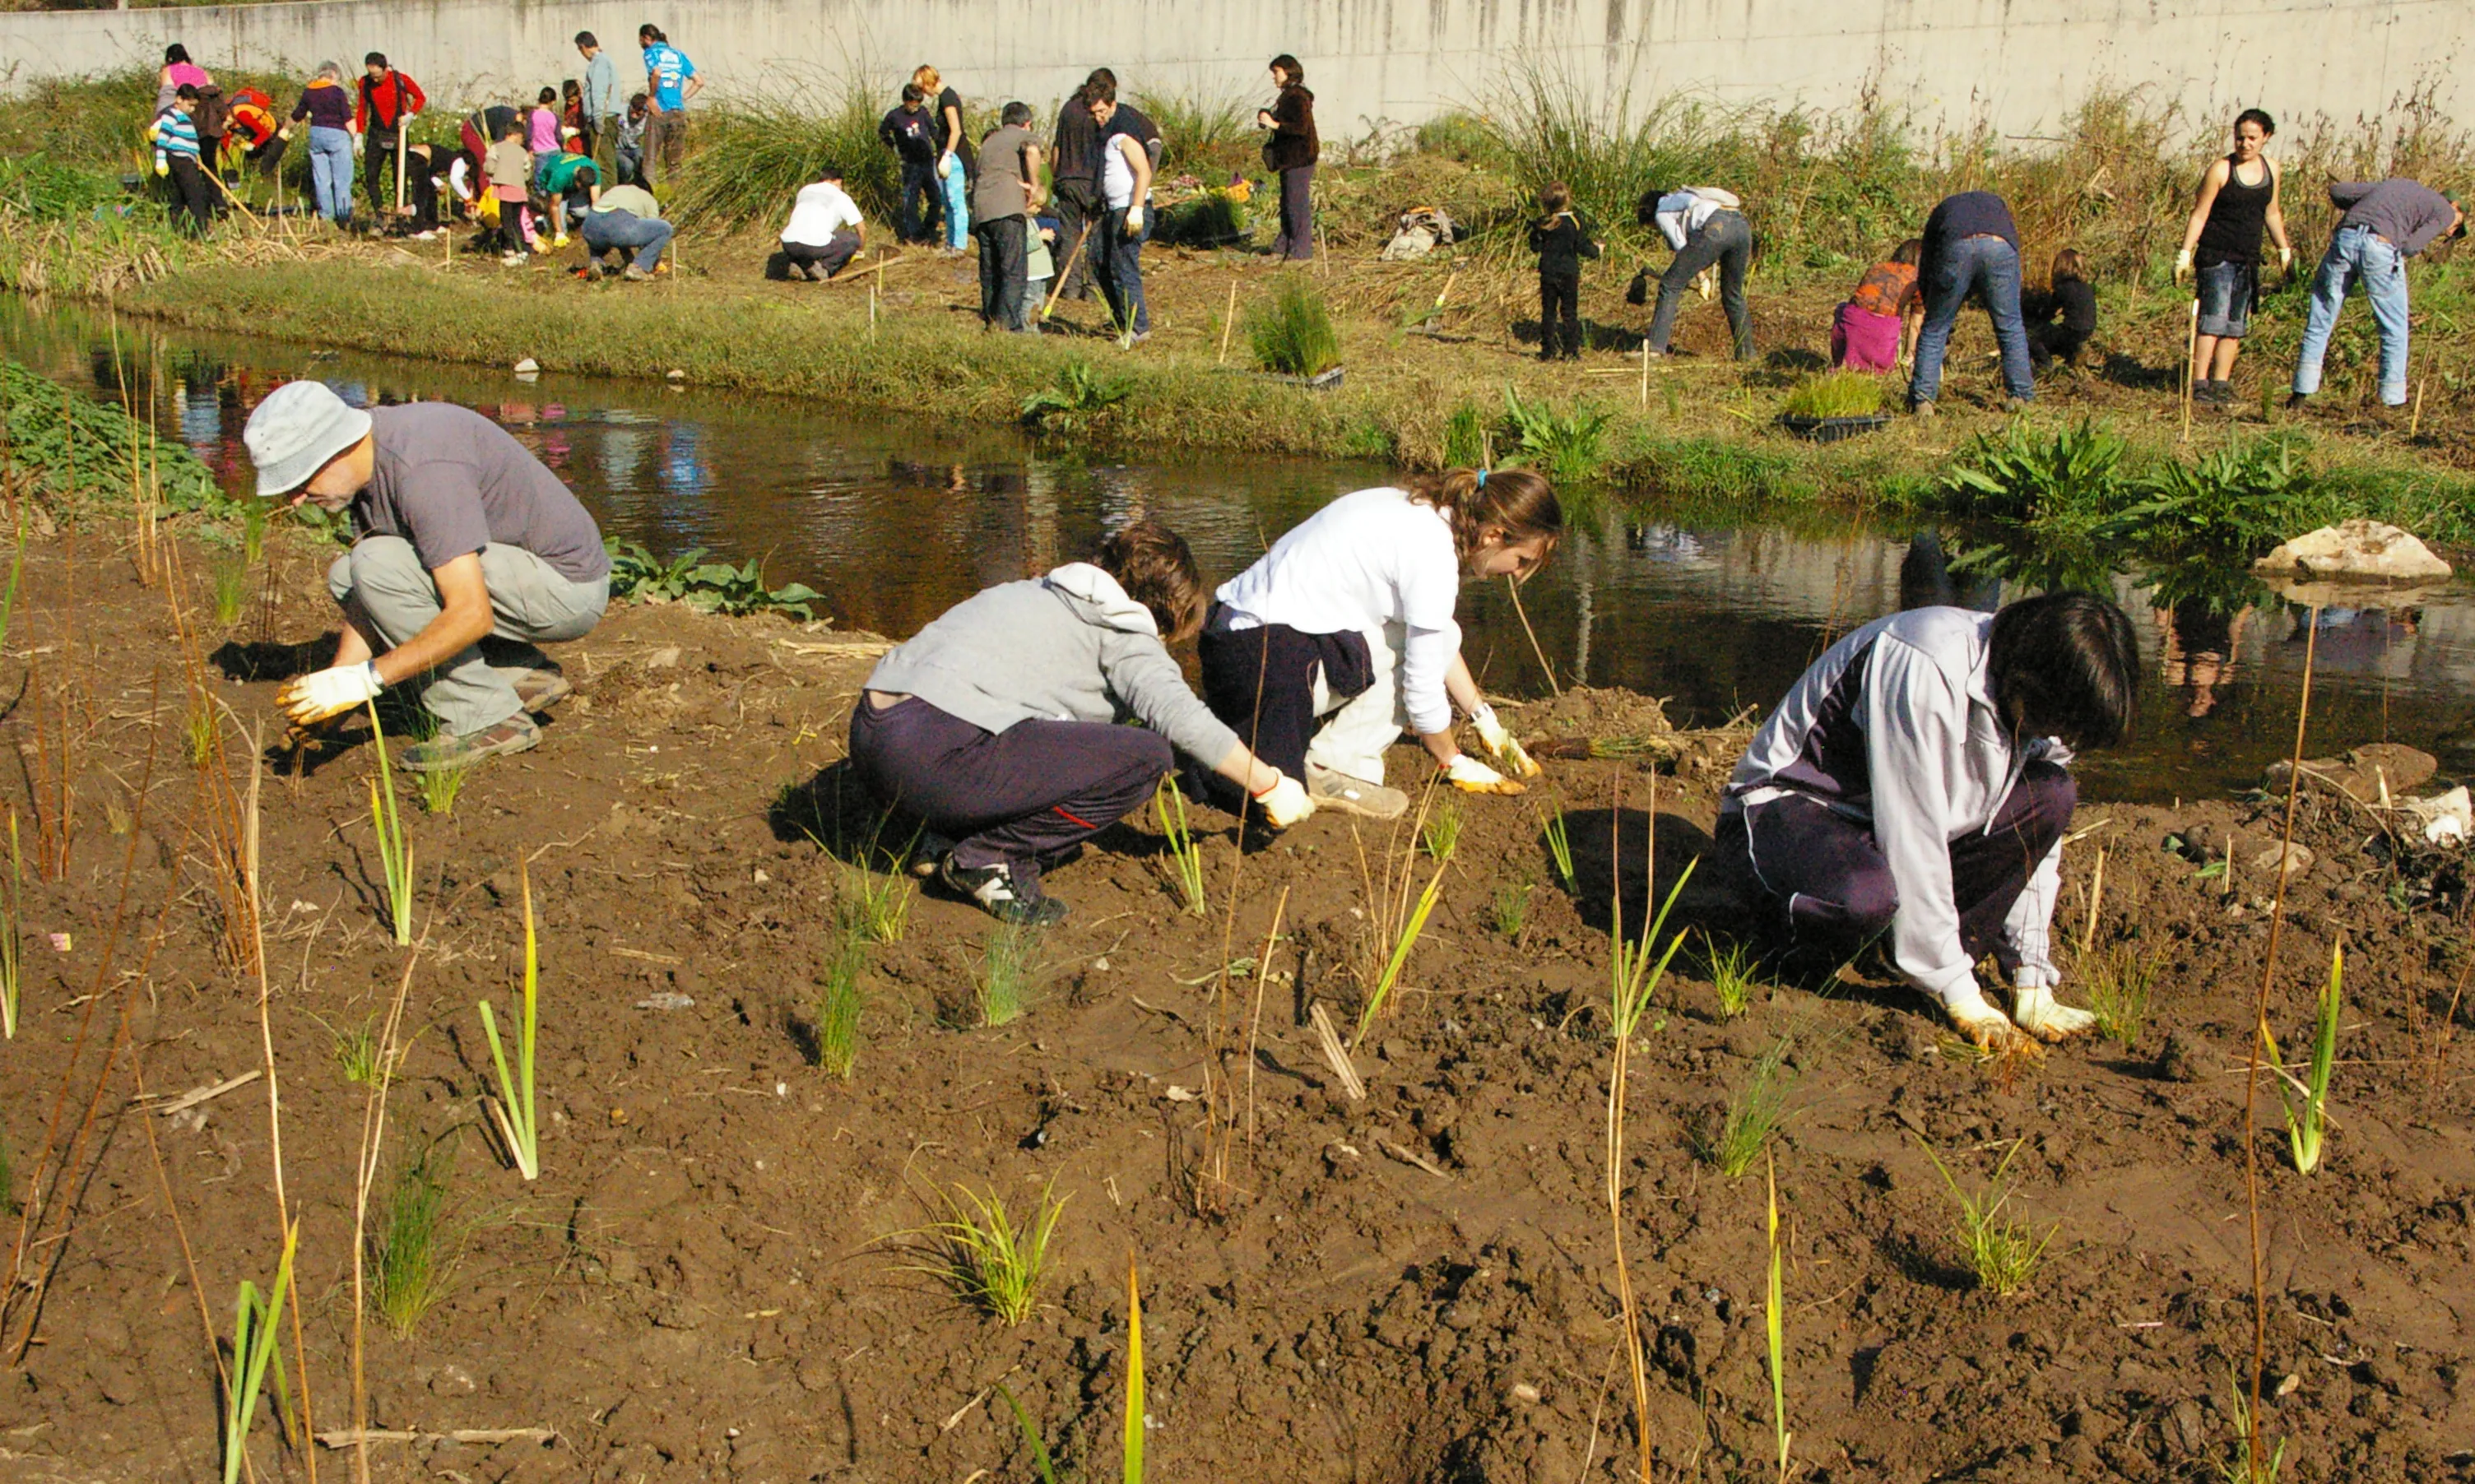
(175, 133)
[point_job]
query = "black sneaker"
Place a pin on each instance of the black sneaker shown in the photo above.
(998, 892)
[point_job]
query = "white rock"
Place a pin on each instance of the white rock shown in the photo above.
(2357, 548)
(527, 366)
(2298, 860)
(2447, 819)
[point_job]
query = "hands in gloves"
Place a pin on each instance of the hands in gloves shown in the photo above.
(1500, 743)
(1987, 1028)
(1134, 220)
(2036, 1010)
(2285, 261)
(1472, 776)
(2183, 265)
(162, 165)
(329, 693)
(1286, 802)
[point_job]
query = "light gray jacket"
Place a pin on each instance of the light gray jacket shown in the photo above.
(1895, 725)
(1069, 646)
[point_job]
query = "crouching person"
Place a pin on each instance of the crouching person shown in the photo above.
(459, 535)
(995, 725)
(1914, 781)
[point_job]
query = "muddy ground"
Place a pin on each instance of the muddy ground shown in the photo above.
(710, 1279)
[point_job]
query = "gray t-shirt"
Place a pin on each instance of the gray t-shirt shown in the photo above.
(451, 482)
(998, 185)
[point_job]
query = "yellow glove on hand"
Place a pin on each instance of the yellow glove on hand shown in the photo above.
(2182, 265)
(2285, 261)
(1500, 743)
(162, 166)
(1134, 220)
(1472, 776)
(1985, 1026)
(329, 693)
(1286, 802)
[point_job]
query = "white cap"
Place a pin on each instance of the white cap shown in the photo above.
(295, 430)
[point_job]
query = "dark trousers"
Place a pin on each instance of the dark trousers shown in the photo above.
(665, 139)
(1296, 241)
(1077, 204)
(1725, 239)
(377, 173)
(194, 207)
(1260, 683)
(1826, 886)
(2051, 343)
(831, 256)
(1003, 266)
(1120, 269)
(916, 210)
(1559, 317)
(1031, 791)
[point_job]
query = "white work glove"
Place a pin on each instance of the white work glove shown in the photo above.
(1985, 1026)
(1134, 220)
(1706, 283)
(1500, 743)
(162, 165)
(330, 693)
(2182, 265)
(1286, 802)
(1472, 776)
(2036, 1010)
(358, 144)
(2285, 261)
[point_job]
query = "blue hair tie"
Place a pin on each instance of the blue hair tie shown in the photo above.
(1482, 478)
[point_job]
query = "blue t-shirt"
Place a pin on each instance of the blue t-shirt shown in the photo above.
(667, 69)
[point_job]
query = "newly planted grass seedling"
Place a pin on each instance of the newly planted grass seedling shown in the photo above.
(2243, 1468)
(1754, 1117)
(395, 846)
(411, 1265)
(231, 593)
(1185, 856)
(2002, 1252)
(876, 904)
(511, 1111)
(1441, 835)
(1136, 1420)
(988, 1261)
(839, 1003)
(1774, 1325)
(253, 1351)
(357, 1054)
(13, 968)
(1511, 906)
(2308, 1123)
(1005, 975)
(198, 732)
(2118, 982)
(1735, 975)
(1559, 845)
(1039, 1458)
(1402, 941)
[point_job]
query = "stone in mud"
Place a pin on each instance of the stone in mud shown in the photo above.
(528, 367)
(2367, 550)
(2188, 1058)
(2362, 772)
(2299, 861)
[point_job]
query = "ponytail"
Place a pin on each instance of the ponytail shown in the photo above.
(1515, 501)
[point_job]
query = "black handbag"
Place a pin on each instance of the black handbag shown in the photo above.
(1638, 292)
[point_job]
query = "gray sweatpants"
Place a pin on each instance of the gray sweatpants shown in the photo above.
(389, 597)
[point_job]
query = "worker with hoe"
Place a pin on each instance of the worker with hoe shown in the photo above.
(460, 536)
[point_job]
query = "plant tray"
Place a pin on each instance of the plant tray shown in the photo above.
(1833, 430)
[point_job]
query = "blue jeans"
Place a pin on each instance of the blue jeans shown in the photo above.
(1990, 266)
(1120, 267)
(330, 173)
(2357, 253)
(954, 181)
(606, 230)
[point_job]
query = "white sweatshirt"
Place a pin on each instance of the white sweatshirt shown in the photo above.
(1365, 560)
(1681, 213)
(1937, 766)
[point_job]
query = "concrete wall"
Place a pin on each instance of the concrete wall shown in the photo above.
(2020, 63)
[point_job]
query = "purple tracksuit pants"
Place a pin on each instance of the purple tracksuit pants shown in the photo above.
(1021, 796)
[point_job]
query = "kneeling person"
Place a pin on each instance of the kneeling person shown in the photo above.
(825, 230)
(459, 535)
(1914, 781)
(995, 724)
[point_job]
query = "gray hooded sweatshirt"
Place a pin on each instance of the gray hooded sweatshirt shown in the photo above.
(1069, 646)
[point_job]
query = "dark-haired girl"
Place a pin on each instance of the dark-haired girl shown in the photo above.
(1342, 635)
(1912, 782)
(1561, 237)
(2063, 317)
(995, 724)
(1877, 328)
(1292, 152)
(2221, 244)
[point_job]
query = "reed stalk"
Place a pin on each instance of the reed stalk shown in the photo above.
(12, 980)
(1135, 1422)
(1774, 1325)
(1185, 856)
(255, 1350)
(512, 1110)
(395, 847)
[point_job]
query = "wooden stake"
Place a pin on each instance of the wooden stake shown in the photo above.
(2191, 348)
(2414, 423)
(871, 308)
(402, 135)
(1645, 371)
(1323, 251)
(1230, 319)
(1059, 287)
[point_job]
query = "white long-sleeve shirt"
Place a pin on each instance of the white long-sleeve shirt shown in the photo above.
(1365, 560)
(1681, 213)
(1937, 766)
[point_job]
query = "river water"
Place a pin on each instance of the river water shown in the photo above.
(893, 518)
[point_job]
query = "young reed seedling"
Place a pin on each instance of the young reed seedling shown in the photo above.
(357, 1054)
(990, 1262)
(411, 1265)
(395, 846)
(1185, 856)
(1756, 1116)
(1136, 1420)
(875, 903)
(2002, 1252)
(12, 967)
(1511, 906)
(2118, 982)
(198, 732)
(1040, 1459)
(2307, 1122)
(231, 593)
(511, 1111)
(1399, 958)
(254, 1351)
(839, 1003)
(1774, 1323)
(2240, 1469)
(1559, 845)
(1735, 975)
(1005, 975)
(1441, 834)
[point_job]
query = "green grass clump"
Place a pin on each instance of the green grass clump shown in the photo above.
(1754, 1117)
(1734, 971)
(1441, 833)
(2000, 1249)
(1559, 845)
(1291, 332)
(2118, 981)
(1079, 395)
(1511, 906)
(411, 1264)
(1208, 137)
(752, 156)
(1567, 445)
(875, 905)
(1005, 975)
(990, 1262)
(357, 1054)
(1185, 855)
(839, 1003)
(231, 592)
(1835, 393)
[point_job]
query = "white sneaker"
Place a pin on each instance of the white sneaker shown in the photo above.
(1350, 795)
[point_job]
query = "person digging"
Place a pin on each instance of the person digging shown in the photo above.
(460, 536)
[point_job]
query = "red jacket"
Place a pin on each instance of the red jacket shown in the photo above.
(381, 100)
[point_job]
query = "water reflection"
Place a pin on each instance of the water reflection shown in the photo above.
(894, 519)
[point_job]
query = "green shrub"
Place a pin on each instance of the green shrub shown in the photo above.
(1835, 393)
(1292, 332)
(1568, 446)
(2048, 500)
(752, 158)
(1209, 138)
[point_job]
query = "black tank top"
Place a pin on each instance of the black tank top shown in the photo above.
(2235, 219)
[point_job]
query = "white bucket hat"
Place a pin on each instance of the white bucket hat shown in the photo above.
(295, 430)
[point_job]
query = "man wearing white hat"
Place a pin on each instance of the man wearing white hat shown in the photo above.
(459, 534)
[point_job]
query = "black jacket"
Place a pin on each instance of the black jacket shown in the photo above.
(1563, 243)
(1294, 141)
(912, 137)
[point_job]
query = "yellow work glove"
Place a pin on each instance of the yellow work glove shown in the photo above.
(329, 693)
(162, 165)
(1500, 743)
(1286, 802)
(1472, 776)
(2183, 265)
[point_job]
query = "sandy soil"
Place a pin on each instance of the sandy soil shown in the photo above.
(711, 1277)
